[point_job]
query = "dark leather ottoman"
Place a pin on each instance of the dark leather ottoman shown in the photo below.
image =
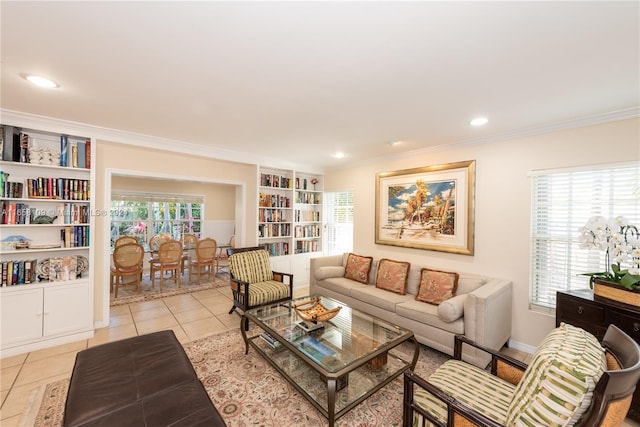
(141, 381)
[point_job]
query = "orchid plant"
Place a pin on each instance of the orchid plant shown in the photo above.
(621, 243)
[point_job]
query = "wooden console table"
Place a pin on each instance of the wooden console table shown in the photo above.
(592, 313)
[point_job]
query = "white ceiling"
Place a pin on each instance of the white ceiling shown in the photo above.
(301, 80)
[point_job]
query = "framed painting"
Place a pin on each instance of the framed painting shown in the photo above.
(430, 208)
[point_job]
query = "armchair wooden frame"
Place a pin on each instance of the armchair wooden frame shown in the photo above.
(611, 398)
(240, 289)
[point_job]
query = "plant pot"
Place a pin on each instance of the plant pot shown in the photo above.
(615, 292)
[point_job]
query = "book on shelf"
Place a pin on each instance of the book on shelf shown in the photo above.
(82, 156)
(64, 147)
(87, 155)
(20, 272)
(24, 147)
(74, 156)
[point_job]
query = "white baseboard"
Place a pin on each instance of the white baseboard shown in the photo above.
(522, 347)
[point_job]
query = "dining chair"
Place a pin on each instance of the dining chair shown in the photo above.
(127, 261)
(205, 258)
(189, 242)
(123, 240)
(169, 259)
(154, 245)
(222, 258)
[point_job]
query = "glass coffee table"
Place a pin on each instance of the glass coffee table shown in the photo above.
(336, 366)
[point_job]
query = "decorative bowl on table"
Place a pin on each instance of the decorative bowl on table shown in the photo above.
(314, 311)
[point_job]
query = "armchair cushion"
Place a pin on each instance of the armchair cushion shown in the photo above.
(558, 385)
(469, 384)
(251, 266)
(358, 268)
(265, 292)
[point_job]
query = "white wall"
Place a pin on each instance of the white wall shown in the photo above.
(502, 214)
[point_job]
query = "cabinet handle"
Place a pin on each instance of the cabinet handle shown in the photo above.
(636, 327)
(580, 309)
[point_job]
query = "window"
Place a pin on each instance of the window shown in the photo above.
(562, 202)
(144, 215)
(338, 215)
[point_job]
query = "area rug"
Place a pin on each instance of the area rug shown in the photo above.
(129, 294)
(248, 392)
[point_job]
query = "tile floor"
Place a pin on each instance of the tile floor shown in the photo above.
(190, 316)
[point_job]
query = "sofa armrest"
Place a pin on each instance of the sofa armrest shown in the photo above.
(487, 314)
(315, 263)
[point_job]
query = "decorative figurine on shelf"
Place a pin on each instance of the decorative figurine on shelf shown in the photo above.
(314, 181)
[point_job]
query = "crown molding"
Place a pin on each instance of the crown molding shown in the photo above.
(49, 124)
(613, 116)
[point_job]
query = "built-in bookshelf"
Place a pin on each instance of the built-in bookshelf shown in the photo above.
(45, 243)
(289, 212)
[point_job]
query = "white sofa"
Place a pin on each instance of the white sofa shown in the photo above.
(480, 309)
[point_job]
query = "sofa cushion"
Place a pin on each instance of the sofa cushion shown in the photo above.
(452, 309)
(392, 275)
(378, 297)
(557, 387)
(468, 284)
(428, 314)
(329, 271)
(339, 284)
(436, 286)
(358, 268)
(460, 380)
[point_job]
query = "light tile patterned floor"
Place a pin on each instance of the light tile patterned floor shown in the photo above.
(191, 316)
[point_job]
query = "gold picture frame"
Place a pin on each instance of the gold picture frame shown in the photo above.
(429, 208)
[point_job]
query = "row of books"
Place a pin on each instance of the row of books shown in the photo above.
(308, 198)
(58, 188)
(269, 215)
(75, 236)
(303, 247)
(21, 213)
(306, 216)
(20, 272)
(274, 180)
(9, 189)
(304, 231)
(77, 155)
(274, 230)
(16, 213)
(17, 146)
(276, 248)
(274, 201)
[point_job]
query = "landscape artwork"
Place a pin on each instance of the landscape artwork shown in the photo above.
(427, 208)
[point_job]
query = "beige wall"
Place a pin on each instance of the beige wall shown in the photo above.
(121, 159)
(219, 199)
(502, 214)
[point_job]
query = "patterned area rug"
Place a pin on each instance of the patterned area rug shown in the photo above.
(129, 293)
(248, 391)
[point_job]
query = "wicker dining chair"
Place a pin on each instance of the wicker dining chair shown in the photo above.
(169, 259)
(205, 258)
(127, 261)
(154, 245)
(189, 242)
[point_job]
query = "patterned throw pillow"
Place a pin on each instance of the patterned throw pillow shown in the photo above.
(559, 382)
(358, 268)
(436, 286)
(392, 276)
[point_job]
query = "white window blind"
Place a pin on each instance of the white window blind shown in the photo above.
(338, 216)
(562, 202)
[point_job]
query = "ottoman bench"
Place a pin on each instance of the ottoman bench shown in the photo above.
(146, 380)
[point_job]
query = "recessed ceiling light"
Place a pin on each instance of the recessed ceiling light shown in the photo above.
(395, 143)
(41, 81)
(339, 155)
(479, 121)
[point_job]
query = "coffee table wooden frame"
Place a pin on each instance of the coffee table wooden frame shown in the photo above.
(332, 378)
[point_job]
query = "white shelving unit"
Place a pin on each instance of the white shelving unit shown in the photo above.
(39, 310)
(290, 219)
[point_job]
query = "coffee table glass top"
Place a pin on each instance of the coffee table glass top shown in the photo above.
(338, 343)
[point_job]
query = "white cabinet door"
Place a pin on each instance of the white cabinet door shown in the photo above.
(66, 308)
(300, 269)
(21, 315)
